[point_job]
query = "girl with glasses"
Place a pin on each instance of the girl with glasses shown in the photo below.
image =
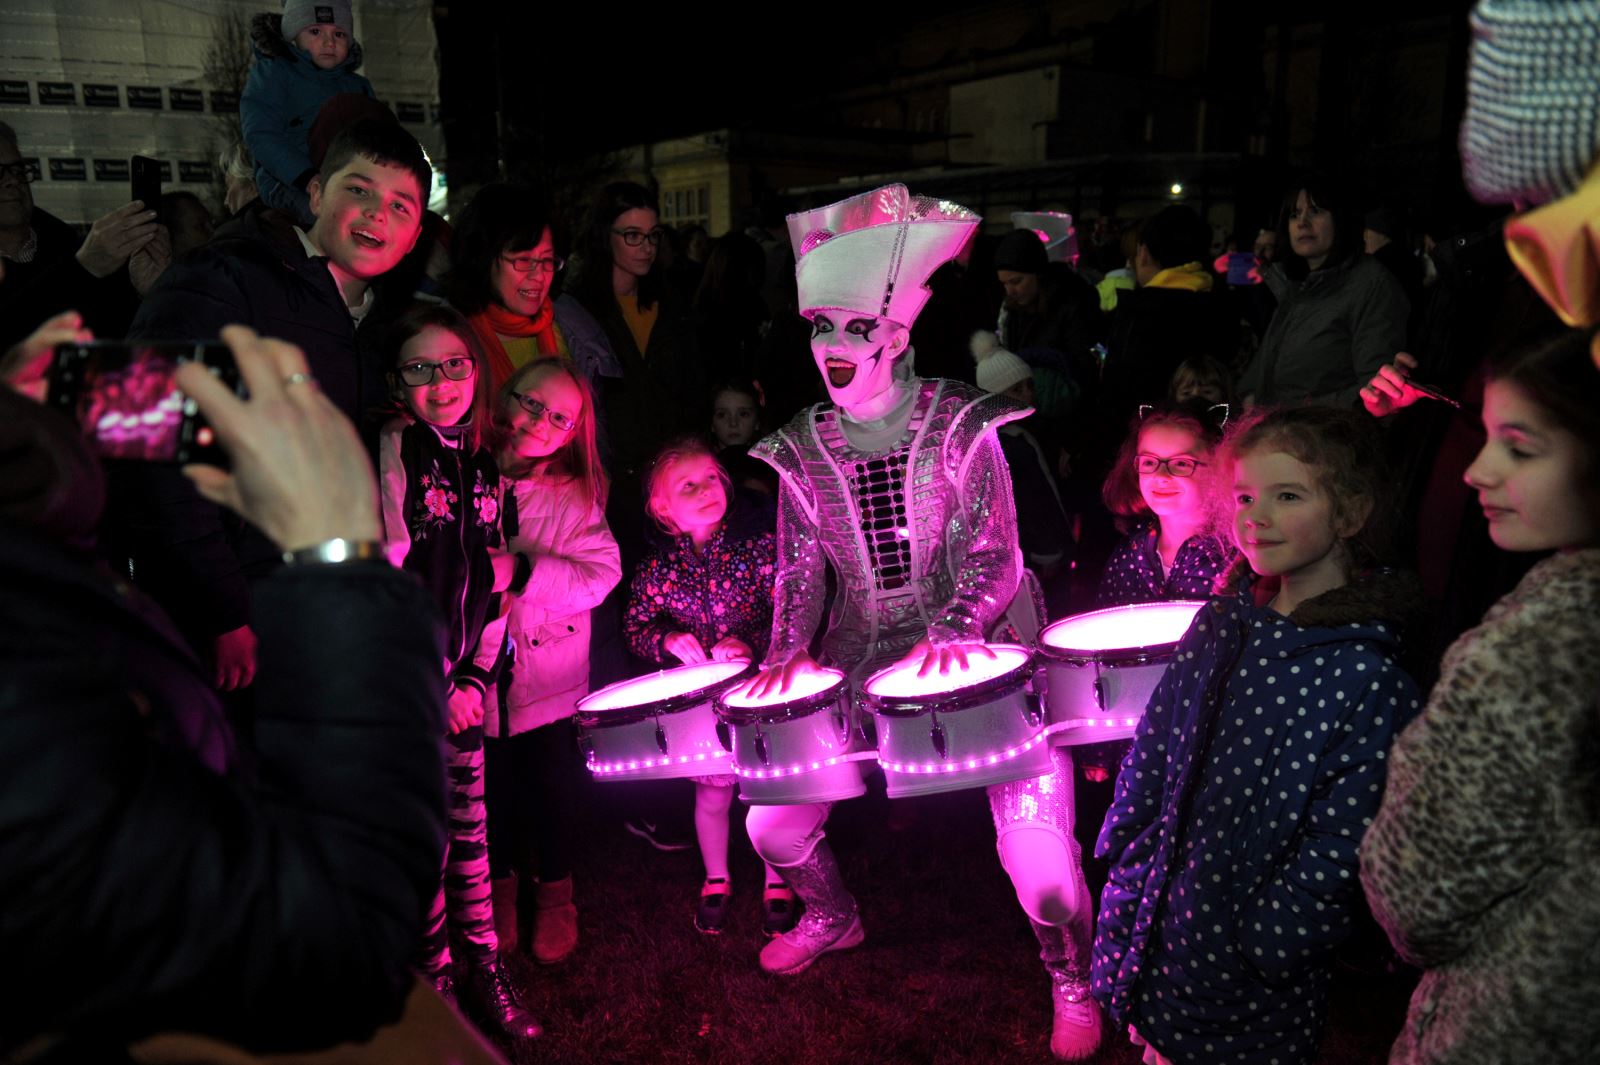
(1157, 491)
(566, 563)
(441, 521)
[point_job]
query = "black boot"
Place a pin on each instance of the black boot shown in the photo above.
(445, 984)
(498, 999)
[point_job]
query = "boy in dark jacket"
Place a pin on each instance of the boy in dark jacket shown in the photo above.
(313, 287)
(303, 58)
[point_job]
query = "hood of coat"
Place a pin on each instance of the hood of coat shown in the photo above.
(1386, 602)
(266, 38)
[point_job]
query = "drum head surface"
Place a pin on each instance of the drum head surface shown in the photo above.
(805, 686)
(902, 682)
(655, 688)
(1142, 626)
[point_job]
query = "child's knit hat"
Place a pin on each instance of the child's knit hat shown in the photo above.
(299, 14)
(998, 369)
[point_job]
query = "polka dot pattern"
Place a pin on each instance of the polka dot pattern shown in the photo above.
(1133, 574)
(1234, 831)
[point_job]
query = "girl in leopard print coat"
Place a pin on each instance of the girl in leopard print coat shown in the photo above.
(1482, 861)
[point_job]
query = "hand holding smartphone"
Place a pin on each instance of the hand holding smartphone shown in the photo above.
(126, 400)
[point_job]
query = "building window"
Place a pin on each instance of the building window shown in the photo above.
(686, 206)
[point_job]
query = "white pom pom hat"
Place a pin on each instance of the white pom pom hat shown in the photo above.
(998, 369)
(872, 254)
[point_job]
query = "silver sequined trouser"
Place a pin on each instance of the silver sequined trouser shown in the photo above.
(1033, 822)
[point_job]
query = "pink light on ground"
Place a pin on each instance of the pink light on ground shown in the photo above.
(656, 687)
(1122, 627)
(900, 682)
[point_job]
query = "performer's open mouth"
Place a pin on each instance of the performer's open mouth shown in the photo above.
(841, 373)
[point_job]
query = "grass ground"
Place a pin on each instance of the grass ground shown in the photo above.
(948, 973)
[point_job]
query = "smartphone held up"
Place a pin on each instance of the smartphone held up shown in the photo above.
(127, 404)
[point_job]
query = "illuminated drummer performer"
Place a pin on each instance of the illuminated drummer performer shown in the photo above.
(901, 486)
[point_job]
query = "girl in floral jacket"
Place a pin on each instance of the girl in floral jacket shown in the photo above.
(707, 595)
(441, 521)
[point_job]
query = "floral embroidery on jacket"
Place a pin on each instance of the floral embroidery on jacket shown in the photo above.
(438, 499)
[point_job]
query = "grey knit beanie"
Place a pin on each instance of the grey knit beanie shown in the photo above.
(298, 14)
(1532, 126)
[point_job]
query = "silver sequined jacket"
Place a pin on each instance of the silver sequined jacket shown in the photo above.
(922, 534)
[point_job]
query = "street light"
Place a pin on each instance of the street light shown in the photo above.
(1177, 188)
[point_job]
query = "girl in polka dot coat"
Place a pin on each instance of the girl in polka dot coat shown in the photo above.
(1260, 761)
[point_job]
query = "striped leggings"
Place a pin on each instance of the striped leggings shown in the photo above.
(462, 903)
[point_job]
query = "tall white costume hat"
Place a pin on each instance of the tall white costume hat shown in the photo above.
(873, 254)
(1055, 229)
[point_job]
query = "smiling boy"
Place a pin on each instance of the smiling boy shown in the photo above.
(316, 288)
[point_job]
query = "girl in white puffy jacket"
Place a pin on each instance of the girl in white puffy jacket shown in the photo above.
(567, 562)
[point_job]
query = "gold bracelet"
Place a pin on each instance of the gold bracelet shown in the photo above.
(333, 552)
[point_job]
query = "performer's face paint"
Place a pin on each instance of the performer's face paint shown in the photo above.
(856, 354)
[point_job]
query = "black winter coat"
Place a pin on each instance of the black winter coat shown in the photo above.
(188, 554)
(144, 885)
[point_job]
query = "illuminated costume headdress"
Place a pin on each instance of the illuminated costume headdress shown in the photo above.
(1054, 229)
(873, 254)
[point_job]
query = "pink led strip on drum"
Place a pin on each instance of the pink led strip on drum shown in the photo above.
(797, 768)
(963, 765)
(636, 764)
(1091, 722)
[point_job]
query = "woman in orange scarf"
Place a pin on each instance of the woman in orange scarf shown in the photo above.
(503, 278)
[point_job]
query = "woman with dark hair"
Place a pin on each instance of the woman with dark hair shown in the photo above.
(1340, 315)
(661, 389)
(503, 277)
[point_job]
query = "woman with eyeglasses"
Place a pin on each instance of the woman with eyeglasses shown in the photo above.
(662, 387)
(504, 277)
(554, 521)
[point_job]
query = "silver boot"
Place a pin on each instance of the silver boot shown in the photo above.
(830, 920)
(1064, 949)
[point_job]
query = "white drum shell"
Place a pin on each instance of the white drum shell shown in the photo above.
(1076, 714)
(992, 735)
(692, 747)
(805, 757)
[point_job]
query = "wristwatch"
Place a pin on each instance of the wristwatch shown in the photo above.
(333, 552)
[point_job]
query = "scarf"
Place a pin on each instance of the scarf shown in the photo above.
(494, 322)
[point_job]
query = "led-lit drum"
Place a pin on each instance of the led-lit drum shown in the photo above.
(801, 746)
(960, 730)
(657, 725)
(1101, 667)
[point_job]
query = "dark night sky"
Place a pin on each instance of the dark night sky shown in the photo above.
(591, 78)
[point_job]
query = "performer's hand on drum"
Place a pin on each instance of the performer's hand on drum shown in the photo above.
(731, 649)
(464, 709)
(930, 659)
(775, 680)
(685, 648)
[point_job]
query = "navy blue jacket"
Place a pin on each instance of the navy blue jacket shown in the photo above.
(186, 552)
(1238, 813)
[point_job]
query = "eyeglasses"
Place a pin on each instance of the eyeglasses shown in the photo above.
(537, 410)
(21, 171)
(417, 374)
(527, 264)
(635, 237)
(1177, 465)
